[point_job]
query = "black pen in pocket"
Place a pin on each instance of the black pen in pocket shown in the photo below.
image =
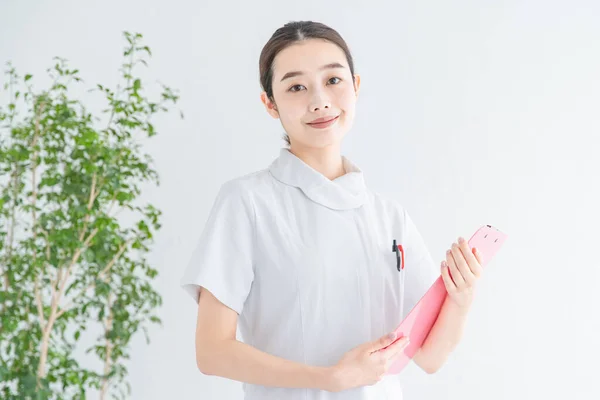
(399, 250)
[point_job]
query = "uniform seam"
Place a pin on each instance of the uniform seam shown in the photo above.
(299, 301)
(250, 197)
(358, 285)
(298, 297)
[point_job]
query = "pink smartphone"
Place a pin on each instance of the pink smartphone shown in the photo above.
(420, 320)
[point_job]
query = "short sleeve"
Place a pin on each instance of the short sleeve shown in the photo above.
(421, 271)
(222, 260)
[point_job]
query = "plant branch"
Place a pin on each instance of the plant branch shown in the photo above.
(36, 135)
(47, 329)
(102, 275)
(91, 199)
(38, 294)
(10, 238)
(56, 292)
(11, 231)
(70, 268)
(38, 302)
(103, 181)
(109, 348)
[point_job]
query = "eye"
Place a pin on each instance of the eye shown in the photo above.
(291, 89)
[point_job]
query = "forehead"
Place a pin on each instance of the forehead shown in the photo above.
(307, 56)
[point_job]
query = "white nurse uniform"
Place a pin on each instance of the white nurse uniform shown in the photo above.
(307, 263)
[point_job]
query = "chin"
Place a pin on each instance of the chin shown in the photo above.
(322, 138)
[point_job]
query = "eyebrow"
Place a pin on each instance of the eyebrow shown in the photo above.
(296, 73)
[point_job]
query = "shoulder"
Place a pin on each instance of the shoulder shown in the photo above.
(387, 204)
(238, 195)
(244, 186)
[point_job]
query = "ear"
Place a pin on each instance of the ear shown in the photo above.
(357, 84)
(269, 105)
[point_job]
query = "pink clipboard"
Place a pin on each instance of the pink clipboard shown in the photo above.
(420, 320)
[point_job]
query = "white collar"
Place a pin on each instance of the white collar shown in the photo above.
(345, 192)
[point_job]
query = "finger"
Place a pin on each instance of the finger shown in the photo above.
(462, 266)
(453, 269)
(382, 342)
(396, 347)
(450, 286)
(472, 262)
(478, 255)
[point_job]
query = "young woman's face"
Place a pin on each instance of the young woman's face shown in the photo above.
(312, 80)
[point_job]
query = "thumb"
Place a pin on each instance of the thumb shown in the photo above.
(383, 341)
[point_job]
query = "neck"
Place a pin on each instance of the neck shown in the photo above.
(327, 161)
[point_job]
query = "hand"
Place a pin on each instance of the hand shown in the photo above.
(460, 272)
(366, 364)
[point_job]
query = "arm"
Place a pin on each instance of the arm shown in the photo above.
(445, 335)
(219, 353)
(460, 273)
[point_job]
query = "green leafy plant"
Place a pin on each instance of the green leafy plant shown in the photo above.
(67, 263)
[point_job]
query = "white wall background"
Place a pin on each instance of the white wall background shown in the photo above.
(471, 113)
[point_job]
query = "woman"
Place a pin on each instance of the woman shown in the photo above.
(299, 253)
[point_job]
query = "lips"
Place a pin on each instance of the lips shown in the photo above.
(322, 120)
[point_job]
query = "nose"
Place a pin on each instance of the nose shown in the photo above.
(319, 102)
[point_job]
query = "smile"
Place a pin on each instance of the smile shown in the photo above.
(326, 124)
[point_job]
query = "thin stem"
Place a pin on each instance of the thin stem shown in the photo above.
(103, 275)
(109, 348)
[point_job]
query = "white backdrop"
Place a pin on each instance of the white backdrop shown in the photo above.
(471, 113)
